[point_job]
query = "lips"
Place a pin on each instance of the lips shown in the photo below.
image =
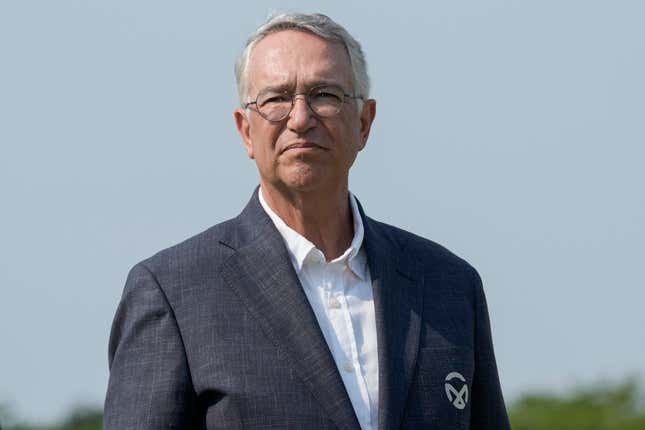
(302, 145)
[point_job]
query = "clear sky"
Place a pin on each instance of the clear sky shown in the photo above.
(512, 132)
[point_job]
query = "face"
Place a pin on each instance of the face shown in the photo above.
(303, 152)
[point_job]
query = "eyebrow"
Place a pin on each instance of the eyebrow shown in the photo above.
(276, 89)
(288, 88)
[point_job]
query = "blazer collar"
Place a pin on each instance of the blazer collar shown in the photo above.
(397, 282)
(262, 275)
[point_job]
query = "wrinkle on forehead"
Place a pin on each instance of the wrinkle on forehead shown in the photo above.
(296, 60)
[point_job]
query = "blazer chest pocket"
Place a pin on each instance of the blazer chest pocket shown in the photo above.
(445, 376)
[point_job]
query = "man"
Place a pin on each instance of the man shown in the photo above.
(302, 312)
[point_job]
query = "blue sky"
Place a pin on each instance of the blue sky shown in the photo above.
(511, 132)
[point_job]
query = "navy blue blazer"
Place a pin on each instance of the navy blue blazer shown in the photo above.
(217, 333)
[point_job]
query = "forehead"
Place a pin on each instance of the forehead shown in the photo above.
(297, 59)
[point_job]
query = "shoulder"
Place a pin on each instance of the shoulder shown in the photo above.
(427, 252)
(194, 264)
(194, 258)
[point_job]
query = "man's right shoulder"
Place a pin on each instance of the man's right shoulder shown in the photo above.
(198, 255)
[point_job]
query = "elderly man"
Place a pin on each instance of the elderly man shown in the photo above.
(303, 312)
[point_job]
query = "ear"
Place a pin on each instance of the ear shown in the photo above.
(244, 128)
(367, 118)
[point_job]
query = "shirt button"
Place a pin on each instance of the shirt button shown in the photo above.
(334, 303)
(348, 367)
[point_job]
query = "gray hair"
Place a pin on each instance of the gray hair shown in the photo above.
(318, 24)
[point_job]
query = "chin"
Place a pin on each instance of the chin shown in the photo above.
(304, 178)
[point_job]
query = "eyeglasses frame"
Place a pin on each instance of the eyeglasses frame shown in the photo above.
(307, 101)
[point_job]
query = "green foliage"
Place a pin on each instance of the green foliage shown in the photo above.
(84, 419)
(81, 418)
(598, 407)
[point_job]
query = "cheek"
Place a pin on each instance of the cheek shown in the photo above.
(263, 141)
(349, 135)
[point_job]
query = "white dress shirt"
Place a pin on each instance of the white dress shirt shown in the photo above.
(340, 294)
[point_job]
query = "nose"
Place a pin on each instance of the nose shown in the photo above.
(301, 118)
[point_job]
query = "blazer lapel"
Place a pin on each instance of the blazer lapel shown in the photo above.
(397, 283)
(262, 275)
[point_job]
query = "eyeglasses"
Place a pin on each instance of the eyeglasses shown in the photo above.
(323, 100)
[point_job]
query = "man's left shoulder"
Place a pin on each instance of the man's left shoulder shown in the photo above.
(426, 252)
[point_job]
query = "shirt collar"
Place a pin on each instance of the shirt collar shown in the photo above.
(299, 247)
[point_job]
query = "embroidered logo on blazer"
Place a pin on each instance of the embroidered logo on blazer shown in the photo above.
(458, 398)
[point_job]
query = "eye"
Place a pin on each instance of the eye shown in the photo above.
(277, 99)
(326, 94)
(273, 99)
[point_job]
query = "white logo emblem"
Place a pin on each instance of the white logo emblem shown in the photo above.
(457, 398)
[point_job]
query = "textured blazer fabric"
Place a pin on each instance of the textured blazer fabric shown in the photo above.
(217, 333)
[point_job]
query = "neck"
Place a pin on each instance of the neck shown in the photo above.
(323, 217)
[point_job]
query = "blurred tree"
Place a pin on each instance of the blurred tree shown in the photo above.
(81, 418)
(598, 407)
(85, 418)
(6, 416)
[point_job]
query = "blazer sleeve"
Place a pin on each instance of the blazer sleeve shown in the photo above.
(150, 385)
(488, 411)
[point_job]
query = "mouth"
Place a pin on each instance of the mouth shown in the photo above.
(302, 146)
